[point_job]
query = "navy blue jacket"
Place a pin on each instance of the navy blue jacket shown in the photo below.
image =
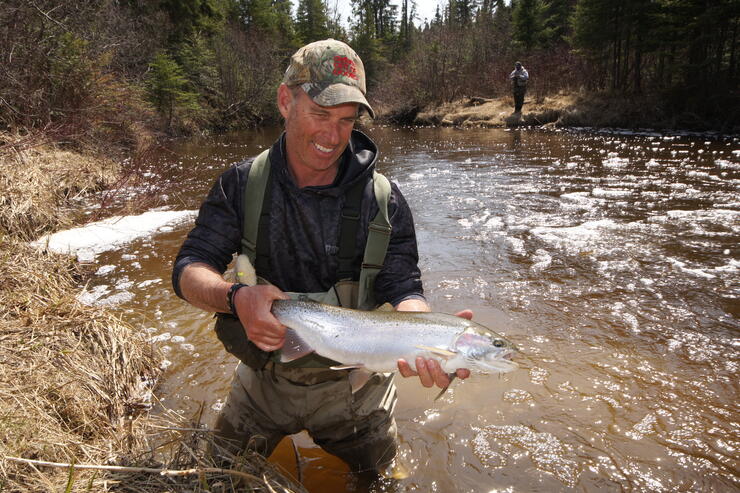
(304, 227)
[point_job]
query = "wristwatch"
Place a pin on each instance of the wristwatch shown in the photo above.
(230, 296)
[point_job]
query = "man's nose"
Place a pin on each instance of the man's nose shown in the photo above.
(332, 132)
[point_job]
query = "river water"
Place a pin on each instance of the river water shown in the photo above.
(611, 259)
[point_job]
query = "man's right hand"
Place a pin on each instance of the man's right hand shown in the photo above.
(253, 305)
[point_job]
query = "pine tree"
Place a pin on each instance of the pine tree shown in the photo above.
(312, 21)
(529, 25)
(557, 19)
(167, 88)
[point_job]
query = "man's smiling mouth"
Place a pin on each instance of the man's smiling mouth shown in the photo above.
(322, 148)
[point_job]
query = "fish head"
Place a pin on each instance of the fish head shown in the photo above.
(485, 350)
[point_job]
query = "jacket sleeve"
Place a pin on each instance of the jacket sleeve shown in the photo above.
(217, 232)
(400, 277)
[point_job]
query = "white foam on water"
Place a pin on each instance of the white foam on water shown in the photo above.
(516, 245)
(111, 233)
(89, 297)
(124, 284)
(611, 193)
(542, 260)
(575, 238)
(105, 270)
(725, 164)
(165, 336)
(495, 223)
(684, 268)
(580, 197)
(732, 266)
(614, 161)
(148, 282)
(116, 299)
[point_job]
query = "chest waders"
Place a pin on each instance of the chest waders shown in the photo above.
(346, 292)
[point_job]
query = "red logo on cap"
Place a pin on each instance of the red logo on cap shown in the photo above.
(344, 66)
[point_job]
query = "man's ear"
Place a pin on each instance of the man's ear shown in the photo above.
(284, 99)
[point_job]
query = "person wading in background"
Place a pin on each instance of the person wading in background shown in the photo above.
(306, 215)
(519, 77)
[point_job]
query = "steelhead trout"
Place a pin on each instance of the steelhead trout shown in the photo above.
(374, 341)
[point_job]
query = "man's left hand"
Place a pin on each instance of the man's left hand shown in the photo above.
(429, 370)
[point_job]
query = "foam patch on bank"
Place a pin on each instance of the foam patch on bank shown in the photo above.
(109, 234)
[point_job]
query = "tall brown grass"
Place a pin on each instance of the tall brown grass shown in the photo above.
(40, 184)
(77, 383)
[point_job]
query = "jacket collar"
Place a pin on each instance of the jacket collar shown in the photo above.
(357, 162)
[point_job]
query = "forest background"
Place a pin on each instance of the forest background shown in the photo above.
(113, 71)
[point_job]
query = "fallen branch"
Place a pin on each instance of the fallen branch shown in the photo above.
(150, 470)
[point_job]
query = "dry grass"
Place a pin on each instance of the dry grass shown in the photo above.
(497, 112)
(77, 382)
(39, 184)
(76, 386)
(73, 378)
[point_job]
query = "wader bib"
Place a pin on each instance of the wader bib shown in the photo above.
(346, 292)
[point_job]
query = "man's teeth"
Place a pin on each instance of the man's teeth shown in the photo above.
(322, 148)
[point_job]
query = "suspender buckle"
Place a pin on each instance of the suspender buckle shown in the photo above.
(380, 228)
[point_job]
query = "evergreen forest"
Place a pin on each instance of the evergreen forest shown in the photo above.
(110, 70)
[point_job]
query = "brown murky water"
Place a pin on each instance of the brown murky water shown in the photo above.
(610, 259)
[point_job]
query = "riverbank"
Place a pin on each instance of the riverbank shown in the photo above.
(78, 384)
(564, 109)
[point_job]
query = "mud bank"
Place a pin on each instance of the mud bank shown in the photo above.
(562, 110)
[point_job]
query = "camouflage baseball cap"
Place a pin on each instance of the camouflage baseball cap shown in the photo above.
(330, 72)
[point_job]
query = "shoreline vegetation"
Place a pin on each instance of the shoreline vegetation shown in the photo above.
(78, 384)
(87, 88)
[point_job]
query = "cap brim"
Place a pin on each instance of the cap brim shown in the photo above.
(336, 94)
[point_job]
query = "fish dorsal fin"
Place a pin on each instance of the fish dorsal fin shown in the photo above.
(438, 351)
(244, 270)
(294, 347)
(358, 378)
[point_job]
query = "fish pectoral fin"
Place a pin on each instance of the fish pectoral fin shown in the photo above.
(358, 378)
(451, 376)
(441, 352)
(347, 367)
(385, 307)
(294, 347)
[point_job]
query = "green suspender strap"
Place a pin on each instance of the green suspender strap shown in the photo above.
(378, 237)
(254, 194)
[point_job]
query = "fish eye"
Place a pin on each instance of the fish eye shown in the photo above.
(498, 343)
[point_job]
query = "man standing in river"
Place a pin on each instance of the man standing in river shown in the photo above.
(519, 78)
(309, 228)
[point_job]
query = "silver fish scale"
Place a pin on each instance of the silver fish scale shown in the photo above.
(378, 339)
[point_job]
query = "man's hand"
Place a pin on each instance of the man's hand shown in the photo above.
(253, 304)
(429, 370)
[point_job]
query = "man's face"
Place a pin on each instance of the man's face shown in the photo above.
(316, 136)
